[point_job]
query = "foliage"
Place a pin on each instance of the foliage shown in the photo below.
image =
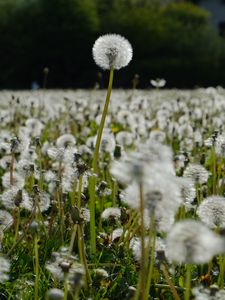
(169, 40)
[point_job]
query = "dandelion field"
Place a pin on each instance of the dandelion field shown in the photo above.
(162, 153)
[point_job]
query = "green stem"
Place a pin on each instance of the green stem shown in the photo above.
(17, 219)
(65, 287)
(92, 181)
(170, 282)
(188, 282)
(114, 193)
(142, 279)
(40, 182)
(91, 187)
(36, 284)
(82, 254)
(100, 130)
(152, 238)
(74, 232)
(214, 174)
(73, 200)
(11, 168)
(222, 271)
(79, 191)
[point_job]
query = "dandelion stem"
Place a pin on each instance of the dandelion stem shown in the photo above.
(92, 181)
(169, 281)
(214, 174)
(222, 271)
(82, 253)
(152, 239)
(188, 282)
(17, 220)
(79, 191)
(142, 279)
(100, 130)
(11, 168)
(91, 186)
(36, 284)
(73, 236)
(65, 287)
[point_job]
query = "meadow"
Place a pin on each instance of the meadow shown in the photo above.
(158, 195)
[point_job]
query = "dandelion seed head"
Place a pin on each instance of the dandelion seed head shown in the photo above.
(190, 241)
(55, 294)
(62, 261)
(13, 198)
(18, 180)
(65, 140)
(112, 50)
(196, 172)
(111, 213)
(211, 211)
(101, 273)
(6, 220)
(56, 153)
(124, 138)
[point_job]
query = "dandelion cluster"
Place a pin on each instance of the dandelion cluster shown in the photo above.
(157, 192)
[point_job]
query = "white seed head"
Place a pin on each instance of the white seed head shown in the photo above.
(212, 211)
(112, 50)
(191, 241)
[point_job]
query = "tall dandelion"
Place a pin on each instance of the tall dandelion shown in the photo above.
(110, 52)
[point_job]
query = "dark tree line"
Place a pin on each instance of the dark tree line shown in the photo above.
(170, 40)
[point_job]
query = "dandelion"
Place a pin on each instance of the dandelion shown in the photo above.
(64, 265)
(124, 138)
(6, 220)
(65, 140)
(18, 181)
(111, 213)
(158, 83)
(112, 50)
(13, 198)
(196, 172)
(190, 241)
(43, 202)
(34, 127)
(211, 211)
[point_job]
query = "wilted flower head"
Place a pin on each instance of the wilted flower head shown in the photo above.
(212, 211)
(112, 50)
(190, 241)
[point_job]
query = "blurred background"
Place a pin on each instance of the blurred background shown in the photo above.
(49, 42)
